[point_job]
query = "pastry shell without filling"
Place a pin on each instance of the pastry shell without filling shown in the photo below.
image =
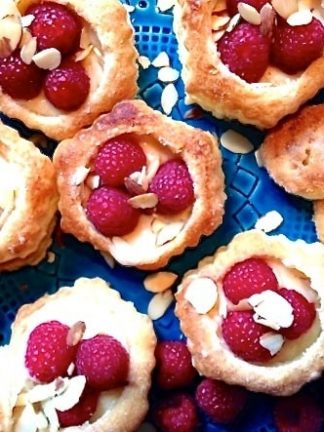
(300, 360)
(28, 201)
(111, 67)
(104, 312)
(198, 149)
(293, 153)
(210, 84)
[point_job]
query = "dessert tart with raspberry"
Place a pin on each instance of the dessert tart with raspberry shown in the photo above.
(64, 62)
(136, 178)
(77, 361)
(255, 61)
(253, 313)
(28, 201)
(293, 153)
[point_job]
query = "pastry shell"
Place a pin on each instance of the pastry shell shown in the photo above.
(198, 149)
(319, 218)
(210, 354)
(111, 67)
(293, 153)
(210, 84)
(102, 304)
(28, 217)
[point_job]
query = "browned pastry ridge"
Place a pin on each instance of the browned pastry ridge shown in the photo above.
(198, 149)
(210, 84)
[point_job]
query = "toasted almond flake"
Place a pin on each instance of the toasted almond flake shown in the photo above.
(22, 399)
(258, 158)
(97, 52)
(157, 225)
(138, 176)
(161, 60)
(109, 259)
(10, 29)
(129, 8)
(48, 59)
(75, 334)
(71, 369)
(144, 61)
(133, 187)
(41, 421)
(80, 175)
(299, 18)
(168, 74)
(160, 281)
(85, 39)
(25, 37)
(235, 142)
(51, 257)
(72, 394)
(159, 304)
(219, 21)
(233, 22)
(146, 427)
(272, 342)
(26, 20)
(93, 181)
(9, 8)
(164, 5)
(268, 17)
(249, 13)
(285, 8)
(145, 201)
(42, 392)
(218, 35)
(27, 52)
(27, 421)
(169, 98)
(269, 222)
(51, 414)
(168, 233)
(271, 310)
(83, 54)
(202, 293)
(153, 164)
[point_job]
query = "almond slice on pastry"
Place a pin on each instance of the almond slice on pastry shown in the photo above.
(159, 183)
(249, 330)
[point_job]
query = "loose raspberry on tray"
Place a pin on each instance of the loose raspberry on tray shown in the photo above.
(82, 411)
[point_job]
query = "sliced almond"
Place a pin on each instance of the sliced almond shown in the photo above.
(273, 342)
(80, 175)
(85, 39)
(269, 222)
(168, 233)
(218, 35)
(11, 30)
(235, 142)
(48, 59)
(202, 293)
(42, 392)
(51, 414)
(83, 54)
(75, 334)
(285, 8)
(301, 17)
(72, 394)
(144, 61)
(249, 13)
(160, 281)
(26, 20)
(268, 17)
(161, 60)
(41, 421)
(153, 164)
(133, 187)
(258, 158)
(71, 369)
(25, 37)
(168, 74)
(157, 225)
(169, 98)
(109, 259)
(145, 201)
(9, 8)
(233, 22)
(159, 304)
(164, 5)
(129, 8)
(27, 420)
(27, 52)
(93, 181)
(51, 257)
(219, 21)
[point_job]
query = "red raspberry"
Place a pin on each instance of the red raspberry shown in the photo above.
(294, 48)
(110, 213)
(81, 412)
(173, 185)
(19, 80)
(298, 413)
(55, 26)
(304, 313)
(48, 356)
(104, 362)
(242, 335)
(67, 86)
(220, 401)
(232, 5)
(174, 367)
(245, 51)
(248, 277)
(117, 159)
(176, 413)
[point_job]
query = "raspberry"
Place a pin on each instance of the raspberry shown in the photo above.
(117, 159)
(176, 413)
(298, 413)
(104, 362)
(110, 213)
(242, 335)
(294, 48)
(48, 356)
(67, 86)
(245, 51)
(173, 185)
(55, 26)
(248, 277)
(220, 401)
(19, 80)
(232, 5)
(304, 313)
(81, 412)
(174, 367)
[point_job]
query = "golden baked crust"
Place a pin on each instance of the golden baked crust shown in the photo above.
(99, 306)
(293, 153)
(28, 201)
(198, 149)
(210, 83)
(285, 374)
(319, 218)
(113, 73)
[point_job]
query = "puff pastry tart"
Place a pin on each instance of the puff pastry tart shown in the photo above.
(253, 313)
(80, 357)
(135, 178)
(64, 62)
(28, 201)
(255, 61)
(293, 153)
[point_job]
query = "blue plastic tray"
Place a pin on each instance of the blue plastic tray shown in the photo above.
(251, 193)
